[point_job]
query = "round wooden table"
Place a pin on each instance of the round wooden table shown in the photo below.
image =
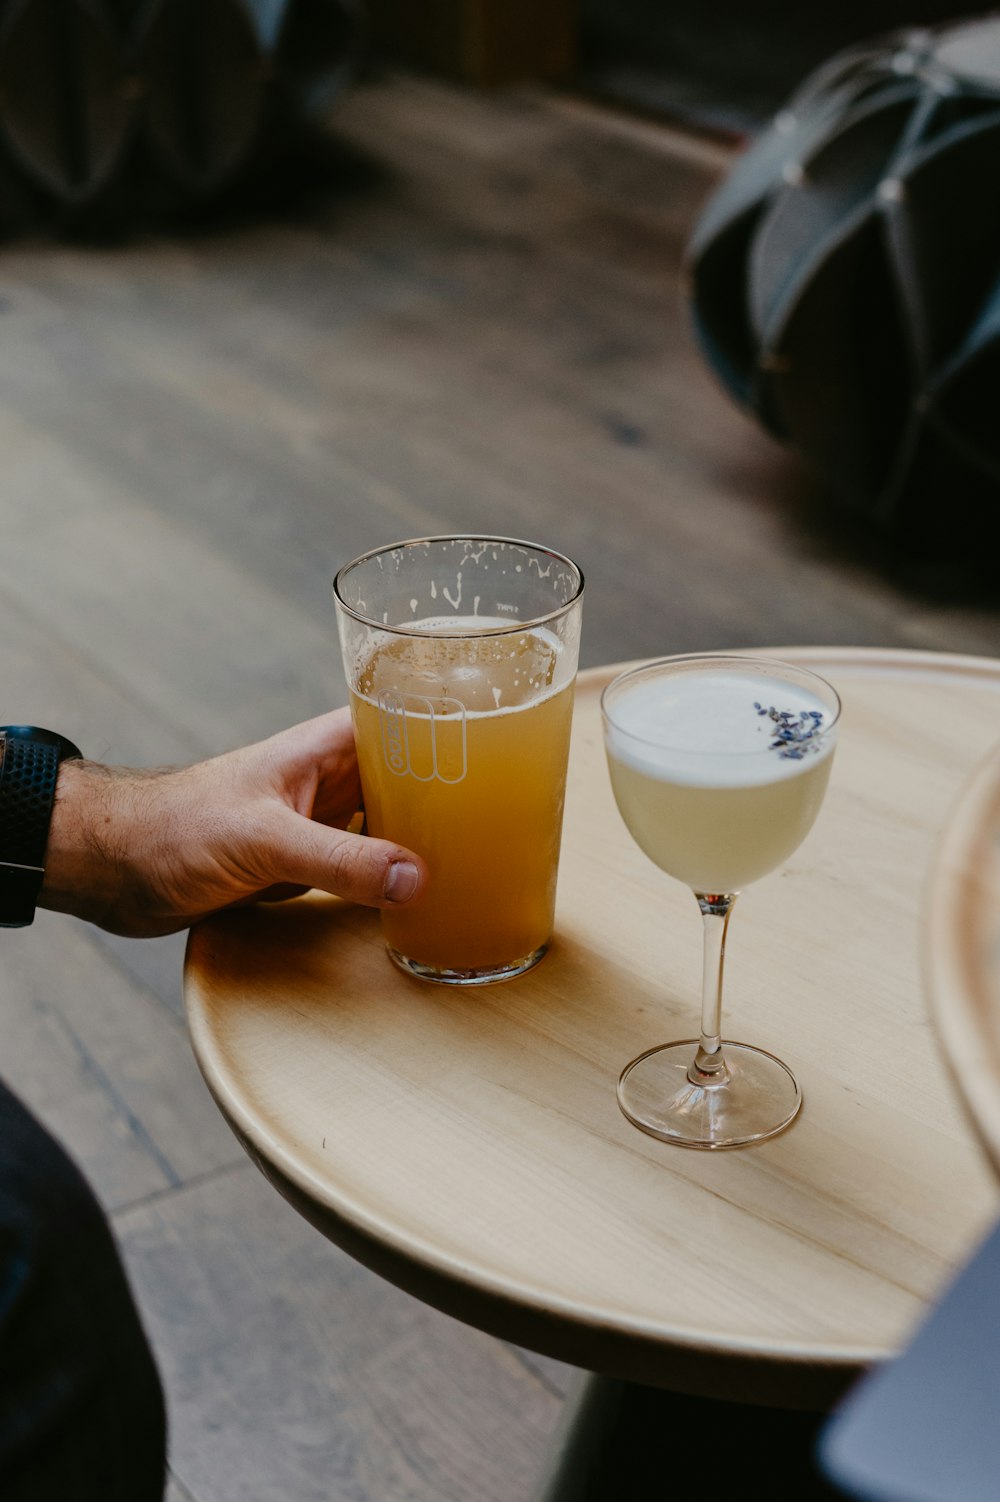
(469, 1147)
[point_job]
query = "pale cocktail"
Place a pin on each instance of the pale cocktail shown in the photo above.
(719, 766)
(708, 808)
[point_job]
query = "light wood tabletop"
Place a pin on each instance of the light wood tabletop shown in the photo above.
(469, 1146)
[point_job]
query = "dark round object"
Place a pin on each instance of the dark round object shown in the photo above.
(846, 280)
(66, 112)
(103, 102)
(205, 87)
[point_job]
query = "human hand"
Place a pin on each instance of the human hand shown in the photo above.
(144, 852)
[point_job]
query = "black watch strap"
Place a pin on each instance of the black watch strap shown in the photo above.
(29, 766)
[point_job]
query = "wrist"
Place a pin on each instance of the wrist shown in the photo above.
(84, 865)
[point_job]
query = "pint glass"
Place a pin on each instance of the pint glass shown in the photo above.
(460, 655)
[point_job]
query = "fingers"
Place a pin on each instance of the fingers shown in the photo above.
(378, 873)
(326, 741)
(313, 766)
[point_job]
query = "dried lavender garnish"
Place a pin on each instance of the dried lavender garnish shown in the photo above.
(792, 733)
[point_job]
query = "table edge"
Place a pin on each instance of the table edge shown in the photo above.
(949, 889)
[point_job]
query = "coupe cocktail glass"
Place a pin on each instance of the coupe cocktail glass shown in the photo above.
(719, 765)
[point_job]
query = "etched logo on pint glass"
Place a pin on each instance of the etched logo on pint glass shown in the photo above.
(423, 738)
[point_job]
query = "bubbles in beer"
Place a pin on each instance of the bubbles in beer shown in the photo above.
(482, 672)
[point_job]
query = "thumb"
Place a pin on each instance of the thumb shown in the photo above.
(378, 873)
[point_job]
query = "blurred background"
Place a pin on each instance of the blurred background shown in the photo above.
(281, 282)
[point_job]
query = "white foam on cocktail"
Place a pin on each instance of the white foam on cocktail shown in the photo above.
(703, 729)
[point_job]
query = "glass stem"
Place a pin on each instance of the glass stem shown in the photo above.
(709, 1066)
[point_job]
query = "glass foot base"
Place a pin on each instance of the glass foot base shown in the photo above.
(757, 1097)
(480, 977)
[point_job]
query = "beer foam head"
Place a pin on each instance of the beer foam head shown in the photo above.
(489, 668)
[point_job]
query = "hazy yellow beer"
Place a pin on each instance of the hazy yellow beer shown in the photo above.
(462, 725)
(478, 791)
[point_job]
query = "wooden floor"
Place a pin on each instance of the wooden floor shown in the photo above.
(479, 328)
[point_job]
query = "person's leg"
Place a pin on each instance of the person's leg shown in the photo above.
(81, 1406)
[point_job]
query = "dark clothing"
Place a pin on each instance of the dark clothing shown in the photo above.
(81, 1406)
